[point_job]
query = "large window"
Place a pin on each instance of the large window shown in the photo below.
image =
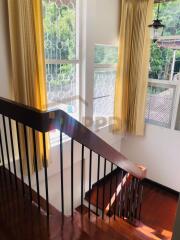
(164, 69)
(105, 61)
(61, 40)
(62, 54)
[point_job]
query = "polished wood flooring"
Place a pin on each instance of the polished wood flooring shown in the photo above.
(158, 207)
(21, 220)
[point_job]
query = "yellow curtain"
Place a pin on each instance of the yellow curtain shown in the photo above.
(28, 63)
(132, 70)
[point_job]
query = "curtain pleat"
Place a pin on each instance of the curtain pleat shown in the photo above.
(28, 65)
(132, 69)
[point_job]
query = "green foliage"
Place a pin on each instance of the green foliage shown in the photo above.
(60, 31)
(170, 16)
(161, 58)
(105, 54)
(60, 40)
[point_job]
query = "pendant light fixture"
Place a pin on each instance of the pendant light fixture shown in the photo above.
(157, 27)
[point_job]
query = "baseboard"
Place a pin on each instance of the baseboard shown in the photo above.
(146, 180)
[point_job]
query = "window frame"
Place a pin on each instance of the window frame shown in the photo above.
(77, 62)
(176, 98)
(99, 66)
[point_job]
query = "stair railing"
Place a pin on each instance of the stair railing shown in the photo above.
(128, 190)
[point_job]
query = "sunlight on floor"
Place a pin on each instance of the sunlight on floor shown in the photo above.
(154, 234)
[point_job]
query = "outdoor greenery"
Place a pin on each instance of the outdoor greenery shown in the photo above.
(59, 30)
(60, 40)
(161, 58)
(105, 54)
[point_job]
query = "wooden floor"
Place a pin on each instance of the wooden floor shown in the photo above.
(158, 208)
(21, 220)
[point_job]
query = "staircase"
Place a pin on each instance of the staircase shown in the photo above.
(21, 220)
(104, 202)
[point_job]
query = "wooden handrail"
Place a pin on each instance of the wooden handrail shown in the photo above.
(45, 121)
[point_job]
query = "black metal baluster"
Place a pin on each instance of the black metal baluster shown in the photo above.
(62, 178)
(129, 197)
(6, 143)
(115, 203)
(124, 197)
(110, 190)
(45, 174)
(2, 152)
(36, 167)
(120, 194)
(140, 203)
(12, 147)
(27, 160)
(72, 176)
(137, 198)
(90, 168)
(20, 157)
(97, 192)
(104, 188)
(134, 198)
(82, 177)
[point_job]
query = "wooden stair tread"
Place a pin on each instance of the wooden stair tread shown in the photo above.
(158, 208)
(120, 229)
(104, 183)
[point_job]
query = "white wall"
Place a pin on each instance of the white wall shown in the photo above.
(159, 151)
(106, 24)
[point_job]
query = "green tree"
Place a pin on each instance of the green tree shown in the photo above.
(60, 39)
(161, 58)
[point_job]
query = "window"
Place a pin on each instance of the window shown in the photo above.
(160, 103)
(164, 69)
(62, 54)
(105, 61)
(61, 41)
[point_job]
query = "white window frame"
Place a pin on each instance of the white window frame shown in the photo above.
(78, 61)
(97, 66)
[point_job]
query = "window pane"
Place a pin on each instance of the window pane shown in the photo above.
(165, 53)
(105, 54)
(159, 107)
(61, 87)
(60, 29)
(104, 84)
(164, 62)
(170, 16)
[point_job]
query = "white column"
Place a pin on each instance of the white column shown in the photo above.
(173, 64)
